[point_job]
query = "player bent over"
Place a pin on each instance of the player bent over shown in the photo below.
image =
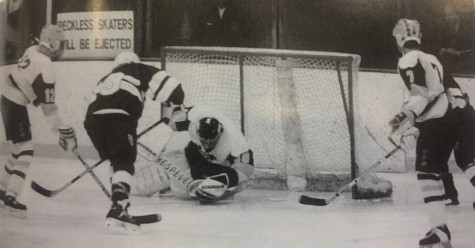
(111, 123)
(464, 148)
(428, 120)
(219, 157)
(31, 81)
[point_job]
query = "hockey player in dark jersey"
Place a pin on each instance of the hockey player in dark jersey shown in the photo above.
(31, 81)
(429, 121)
(464, 150)
(111, 123)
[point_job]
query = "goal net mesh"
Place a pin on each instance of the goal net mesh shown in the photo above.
(296, 108)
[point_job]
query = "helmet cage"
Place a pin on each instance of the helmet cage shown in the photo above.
(52, 37)
(209, 132)
(406, 30)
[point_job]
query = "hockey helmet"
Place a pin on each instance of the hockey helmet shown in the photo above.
(209, 132)
(406, 30)
(126, 58)
(52, 37)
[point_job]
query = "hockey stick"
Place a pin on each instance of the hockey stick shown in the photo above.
(308, 200)
(93, 175)
(142, 219)
(51, 193)
(467, 51)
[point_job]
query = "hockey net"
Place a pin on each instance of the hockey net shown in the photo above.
(297, 109)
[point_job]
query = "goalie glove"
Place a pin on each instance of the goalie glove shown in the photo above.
(67, 138)
(210, 189)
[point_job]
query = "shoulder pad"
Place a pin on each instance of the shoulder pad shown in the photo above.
(409, 59)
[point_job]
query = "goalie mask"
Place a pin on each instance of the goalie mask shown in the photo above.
(209, 132)
(52, 37)
(406, 30)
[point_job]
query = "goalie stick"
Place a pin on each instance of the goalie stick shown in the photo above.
(51, 193)
(308, 200)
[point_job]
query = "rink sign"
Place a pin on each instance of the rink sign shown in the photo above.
(97, 34)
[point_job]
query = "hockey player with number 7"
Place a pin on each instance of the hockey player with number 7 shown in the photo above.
(429, 120)
(111, 123)
(31, 81)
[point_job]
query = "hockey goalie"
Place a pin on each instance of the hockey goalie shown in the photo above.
(214, 164)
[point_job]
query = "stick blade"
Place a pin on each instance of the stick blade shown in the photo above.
(40, 190)
(148, 219)
(307, 200)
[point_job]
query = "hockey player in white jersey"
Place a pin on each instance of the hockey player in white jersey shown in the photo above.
(31, 81)
(427, 120)
(219, 157)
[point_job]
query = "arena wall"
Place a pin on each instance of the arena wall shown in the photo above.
(379, 94)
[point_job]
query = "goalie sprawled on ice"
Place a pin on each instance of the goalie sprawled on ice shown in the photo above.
(214, 164)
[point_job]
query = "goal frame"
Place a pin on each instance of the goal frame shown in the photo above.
(240, 53)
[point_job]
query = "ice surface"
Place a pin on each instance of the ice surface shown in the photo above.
(254, 218)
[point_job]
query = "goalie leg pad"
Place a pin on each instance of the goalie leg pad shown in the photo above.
(150, 179)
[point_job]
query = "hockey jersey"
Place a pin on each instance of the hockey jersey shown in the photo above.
(232, 143)
(124, 89)
(32, 80)
(423, 76)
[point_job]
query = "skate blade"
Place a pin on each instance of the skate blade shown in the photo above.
(443, 244)
(122, 227)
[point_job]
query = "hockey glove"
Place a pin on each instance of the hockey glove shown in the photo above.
(409, 139)
(398, 125)
(67, 138)
(212, 188)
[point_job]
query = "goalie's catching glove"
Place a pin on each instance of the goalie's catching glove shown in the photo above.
(67, 138)
(210, 189)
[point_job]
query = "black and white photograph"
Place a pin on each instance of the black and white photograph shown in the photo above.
(237, 123)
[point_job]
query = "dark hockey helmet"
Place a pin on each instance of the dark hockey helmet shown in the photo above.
(209, 131)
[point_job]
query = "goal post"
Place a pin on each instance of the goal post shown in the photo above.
(297, 109)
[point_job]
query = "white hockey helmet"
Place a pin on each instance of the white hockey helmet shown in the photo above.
(406, 30)
(126, 58)
(52, 37)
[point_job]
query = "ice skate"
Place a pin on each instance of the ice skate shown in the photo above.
(13, 207)
(451, 201)
(437, 237)
(119, 219)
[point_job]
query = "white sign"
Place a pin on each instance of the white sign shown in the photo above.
(101, 34)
